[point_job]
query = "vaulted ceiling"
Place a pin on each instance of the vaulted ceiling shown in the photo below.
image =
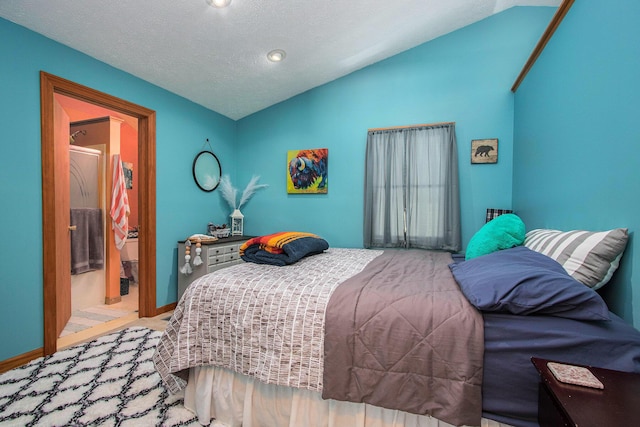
(217, 57)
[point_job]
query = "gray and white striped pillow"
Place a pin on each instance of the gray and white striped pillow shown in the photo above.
(590, 257)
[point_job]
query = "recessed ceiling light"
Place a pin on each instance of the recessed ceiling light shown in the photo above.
(219, 3)
(276, 55)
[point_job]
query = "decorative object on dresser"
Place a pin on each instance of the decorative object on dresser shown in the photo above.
(237, 223)
(215, 254)
(218, 231)
(230, 194)
(561, 404)
(197, 240)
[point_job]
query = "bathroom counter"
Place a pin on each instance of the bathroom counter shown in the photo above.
(130, 250)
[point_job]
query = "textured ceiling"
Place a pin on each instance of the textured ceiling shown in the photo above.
(217, 57)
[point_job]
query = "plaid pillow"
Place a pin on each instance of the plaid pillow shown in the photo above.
(492, 213)
(590, 257)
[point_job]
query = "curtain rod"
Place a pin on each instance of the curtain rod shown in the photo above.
(411, 126)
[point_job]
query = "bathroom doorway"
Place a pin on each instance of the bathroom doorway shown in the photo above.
(96, 134)
(56, 246)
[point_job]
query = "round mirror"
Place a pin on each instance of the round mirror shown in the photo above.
(207, 171)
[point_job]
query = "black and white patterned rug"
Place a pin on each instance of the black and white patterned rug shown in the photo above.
(110, 381)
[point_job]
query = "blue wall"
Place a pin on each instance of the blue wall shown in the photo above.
(182, 127)
(577, 156)
(464, 76)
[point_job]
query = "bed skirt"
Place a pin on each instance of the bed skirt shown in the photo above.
(236, 400)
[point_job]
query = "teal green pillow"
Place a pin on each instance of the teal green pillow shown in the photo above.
(503, 232)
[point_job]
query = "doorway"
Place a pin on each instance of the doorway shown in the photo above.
(96, 134)
(56, 247)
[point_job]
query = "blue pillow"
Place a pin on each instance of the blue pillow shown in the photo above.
(502, 232)
(522, 281)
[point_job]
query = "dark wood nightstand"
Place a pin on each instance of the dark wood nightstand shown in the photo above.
(560, 404)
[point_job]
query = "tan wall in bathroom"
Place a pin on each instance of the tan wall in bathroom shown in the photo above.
(129, 153)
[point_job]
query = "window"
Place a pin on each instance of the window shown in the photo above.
(411, 196)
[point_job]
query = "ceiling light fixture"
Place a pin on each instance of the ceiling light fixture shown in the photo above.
(219, 3)
(276, 55)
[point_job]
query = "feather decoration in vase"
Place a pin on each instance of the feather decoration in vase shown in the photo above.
(250, 189)
(227, 191)
(230, 194)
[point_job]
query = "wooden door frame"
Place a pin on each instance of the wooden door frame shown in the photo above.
(49, 85)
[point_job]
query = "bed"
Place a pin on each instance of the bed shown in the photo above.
(345, 338)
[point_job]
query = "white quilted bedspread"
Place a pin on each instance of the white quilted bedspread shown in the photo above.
(259, 320)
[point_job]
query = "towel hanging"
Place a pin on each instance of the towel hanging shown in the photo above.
(119, 204)
(87, 244)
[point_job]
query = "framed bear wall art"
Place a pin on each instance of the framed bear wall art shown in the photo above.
(484, 150)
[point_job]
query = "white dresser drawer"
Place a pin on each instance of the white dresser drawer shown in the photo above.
(215, 258)
(222, 258)
(232, 249)
(217, 254)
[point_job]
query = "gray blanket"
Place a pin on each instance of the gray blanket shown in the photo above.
(401, 335)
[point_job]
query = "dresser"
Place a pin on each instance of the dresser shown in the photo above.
(222, 253)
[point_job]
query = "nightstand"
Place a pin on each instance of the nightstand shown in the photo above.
(560, 404)
(222, 253)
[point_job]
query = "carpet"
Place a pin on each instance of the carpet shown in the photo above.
(110, 381)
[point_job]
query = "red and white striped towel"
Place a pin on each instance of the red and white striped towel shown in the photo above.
(119, 204)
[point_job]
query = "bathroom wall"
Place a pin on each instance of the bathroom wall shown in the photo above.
(129, 154)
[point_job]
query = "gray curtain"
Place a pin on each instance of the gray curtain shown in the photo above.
(411, 194)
